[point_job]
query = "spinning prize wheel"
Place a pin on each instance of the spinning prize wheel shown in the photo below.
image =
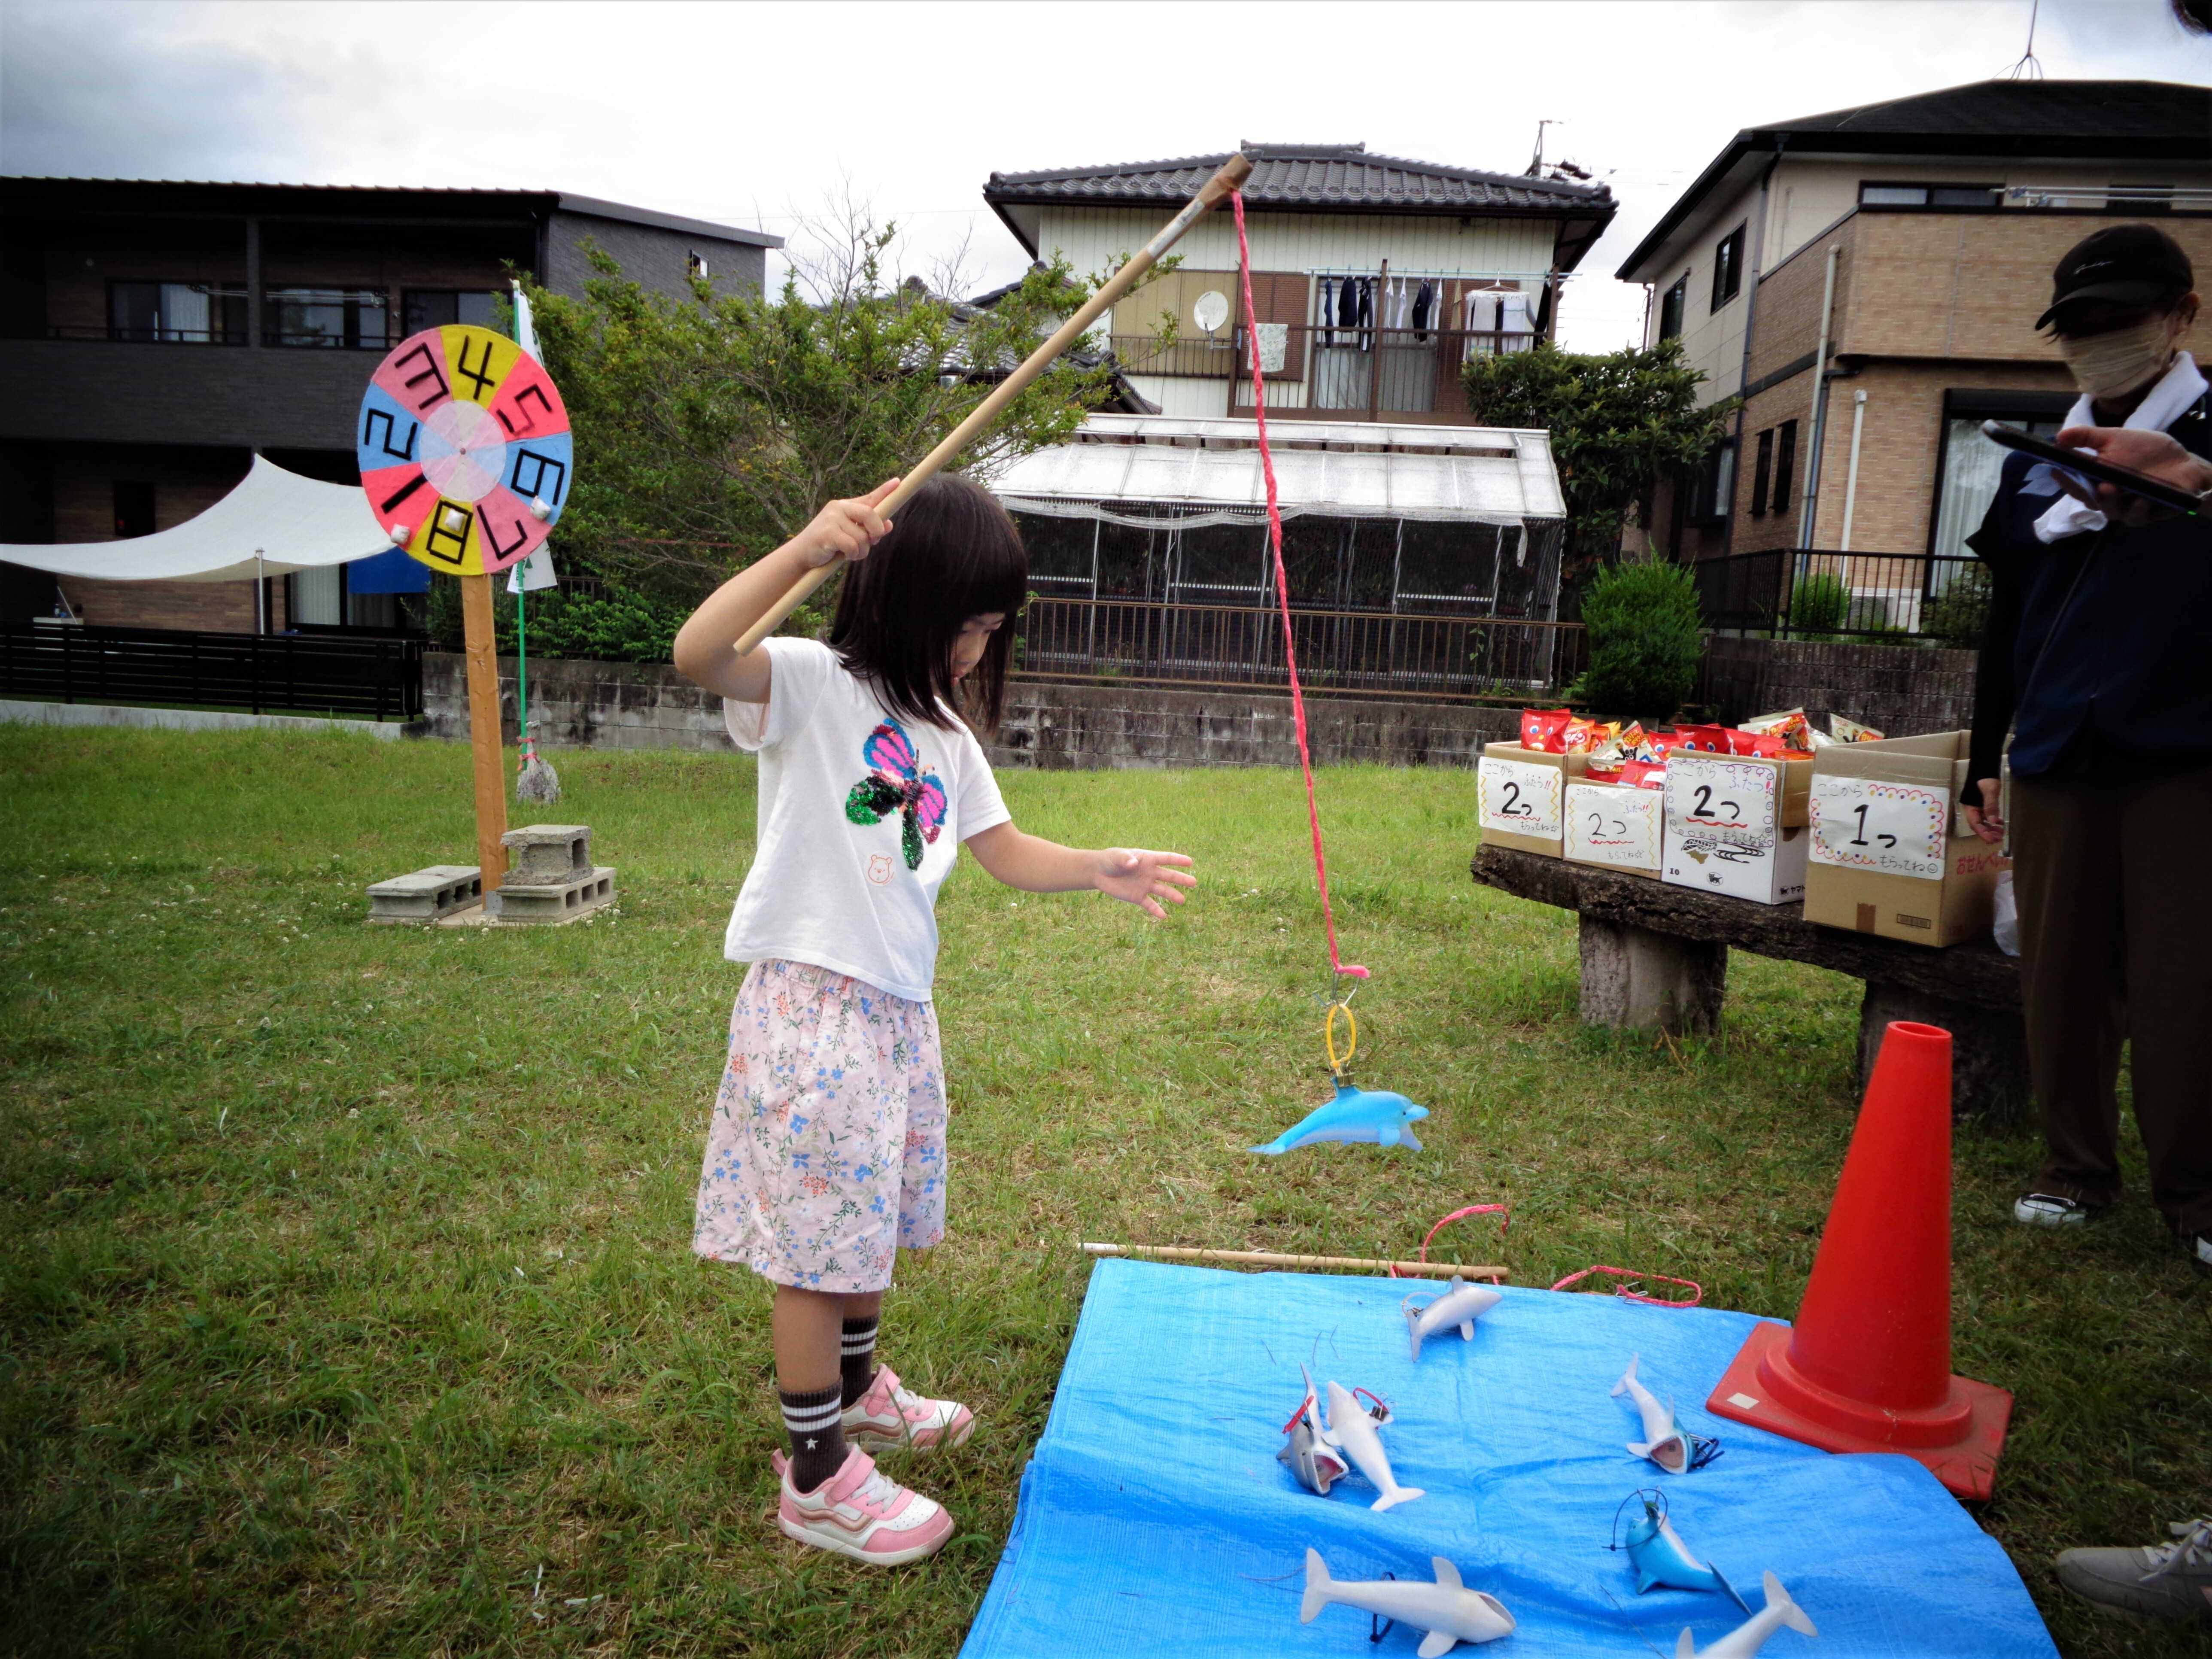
(465, 450)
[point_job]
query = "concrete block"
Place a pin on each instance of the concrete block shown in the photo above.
(426, 894)
(551, 904)
(548, 854)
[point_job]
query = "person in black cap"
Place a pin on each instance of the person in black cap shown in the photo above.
(2093, 742)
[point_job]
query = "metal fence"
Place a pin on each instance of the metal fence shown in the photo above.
(1375, 653)
(261, 673)
(1818, 594)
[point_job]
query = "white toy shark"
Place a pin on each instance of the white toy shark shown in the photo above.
(1306, 1454)
(1462, 1304)
(1351, 1431)
(1747, 1639)
(1448, 1611)
(1665, 1442)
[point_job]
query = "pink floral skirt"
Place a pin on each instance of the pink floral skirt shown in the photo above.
(826, 1152)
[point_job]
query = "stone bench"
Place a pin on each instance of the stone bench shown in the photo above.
(1654, 957)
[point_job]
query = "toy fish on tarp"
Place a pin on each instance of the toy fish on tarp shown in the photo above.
(1460, 1304)
(1745, 1639)
(1660, 1556)
(1665, 1442)
(1362, 1115)
(1351, 1431)
(1306, 1454)
(1448, 1610)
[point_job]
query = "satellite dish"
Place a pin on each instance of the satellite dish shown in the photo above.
(1210, 310)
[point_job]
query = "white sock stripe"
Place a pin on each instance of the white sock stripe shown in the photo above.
(859, 1345)
(814, 1417)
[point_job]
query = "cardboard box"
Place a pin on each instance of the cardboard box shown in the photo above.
(1614, 826)
(1735, 824)
(1522, 796)
(1891, 852)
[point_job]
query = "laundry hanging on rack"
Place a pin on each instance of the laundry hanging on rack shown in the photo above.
(1424, 302)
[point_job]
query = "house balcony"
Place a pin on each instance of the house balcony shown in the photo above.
(1409, 375)
(104, 390)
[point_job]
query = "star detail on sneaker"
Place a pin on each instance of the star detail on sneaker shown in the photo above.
(811, 1444)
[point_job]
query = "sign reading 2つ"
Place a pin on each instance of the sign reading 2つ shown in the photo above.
(465, 450)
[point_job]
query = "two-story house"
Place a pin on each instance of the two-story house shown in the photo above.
(1373, 278)
(154, 337)
(1867, 281)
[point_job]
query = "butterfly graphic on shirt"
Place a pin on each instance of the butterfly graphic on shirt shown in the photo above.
(896, 783)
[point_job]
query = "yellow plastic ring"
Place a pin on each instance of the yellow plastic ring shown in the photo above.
(1337, 1062)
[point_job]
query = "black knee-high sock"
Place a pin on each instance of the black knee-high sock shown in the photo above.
(858, 1356)
(818, 1434)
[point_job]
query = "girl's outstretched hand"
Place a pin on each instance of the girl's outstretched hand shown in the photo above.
(1143, 879)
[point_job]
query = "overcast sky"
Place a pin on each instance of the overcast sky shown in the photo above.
(762, 114)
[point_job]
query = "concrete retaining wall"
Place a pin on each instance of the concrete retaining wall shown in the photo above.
(650, 706)
(1901, 689)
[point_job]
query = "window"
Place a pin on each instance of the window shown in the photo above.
(190, 313)
(1672, 304)
(1762, 473)
(1968, 464)
(1874, 195)
(329, 317)
(1728, 268)
(435, 308)
(133, 509)
(696, 264)
(1712, 487)
(1785, 464)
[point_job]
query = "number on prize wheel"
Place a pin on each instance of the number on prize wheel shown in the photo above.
(465, 450)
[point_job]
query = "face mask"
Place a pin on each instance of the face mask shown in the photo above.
(2110, 365)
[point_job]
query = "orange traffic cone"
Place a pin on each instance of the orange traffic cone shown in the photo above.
(1868, 1365)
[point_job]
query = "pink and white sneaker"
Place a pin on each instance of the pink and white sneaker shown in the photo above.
(862, 1514)
(891, 1414)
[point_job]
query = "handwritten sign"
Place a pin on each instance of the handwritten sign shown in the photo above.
(1610, 824)
(1721, 798)
(1864, 824)
(1520, 798)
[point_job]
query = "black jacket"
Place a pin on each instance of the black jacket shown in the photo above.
(2095, 646)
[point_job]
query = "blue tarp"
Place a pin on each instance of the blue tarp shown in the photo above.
(1154, 1513)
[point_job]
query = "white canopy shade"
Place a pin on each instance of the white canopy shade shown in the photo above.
(1339, 469)
(293, 523)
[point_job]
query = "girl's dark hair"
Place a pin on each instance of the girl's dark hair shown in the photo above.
(952, 554)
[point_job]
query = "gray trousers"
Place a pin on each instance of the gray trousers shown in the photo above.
(2116, 943)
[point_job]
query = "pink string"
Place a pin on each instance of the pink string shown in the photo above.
(1697, 1291)
(1505, 1221)
(1283, 591)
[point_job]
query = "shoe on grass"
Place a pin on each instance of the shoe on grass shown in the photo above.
(2154, 1581)
(2200, 1253)
(860, 1513)
(891, 1414)
(2048, 1210)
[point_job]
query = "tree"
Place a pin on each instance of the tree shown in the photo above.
(1644, 639)
(708, 430)
(1621, 423)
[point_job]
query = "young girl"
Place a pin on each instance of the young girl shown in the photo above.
(827, 1148)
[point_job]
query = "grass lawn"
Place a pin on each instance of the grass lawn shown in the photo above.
(346, 1304)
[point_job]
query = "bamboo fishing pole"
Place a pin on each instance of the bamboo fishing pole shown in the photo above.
(1299, 1263)
(1216, 191)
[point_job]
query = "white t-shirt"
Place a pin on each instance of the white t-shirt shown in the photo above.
(862, 813)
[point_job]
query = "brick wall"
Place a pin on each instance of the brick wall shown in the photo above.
(186, 483)
(1901, 690)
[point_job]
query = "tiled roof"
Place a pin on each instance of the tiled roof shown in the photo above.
(1310, 178)
(2035, 111)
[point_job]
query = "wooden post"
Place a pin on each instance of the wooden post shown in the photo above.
(491, 758)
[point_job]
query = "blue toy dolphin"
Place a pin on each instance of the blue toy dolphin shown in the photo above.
(1660, 1556)
(1369, 1115)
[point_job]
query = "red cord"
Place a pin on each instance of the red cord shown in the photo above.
(1283, 590)
(1697, 1291)
(1505, 1220)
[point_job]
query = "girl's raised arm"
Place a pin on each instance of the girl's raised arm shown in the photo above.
(706, 651)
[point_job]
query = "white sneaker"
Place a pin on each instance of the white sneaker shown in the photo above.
(892, 1414)
(2047, 1209)
(2202, 1244)
(862, 1514)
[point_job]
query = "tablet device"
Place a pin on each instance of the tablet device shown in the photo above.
(2081, 461)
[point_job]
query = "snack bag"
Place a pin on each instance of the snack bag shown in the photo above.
(1705, 739)
(1602, 774)
(1642, 774)
(1851, 730)
(1790, 725)
(1541, 728)
(1764, 743)
(1583, 735)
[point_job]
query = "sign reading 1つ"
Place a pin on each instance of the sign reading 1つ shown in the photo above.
(464, 449)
